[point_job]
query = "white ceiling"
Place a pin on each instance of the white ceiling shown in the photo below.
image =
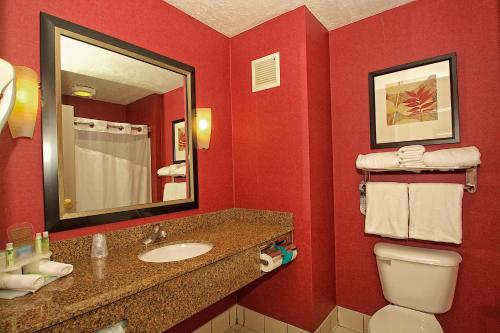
(117, 78)
(232, 17)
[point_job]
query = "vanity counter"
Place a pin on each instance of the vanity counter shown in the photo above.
(236, 235)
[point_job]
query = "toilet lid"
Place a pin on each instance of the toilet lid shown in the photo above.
(396, 319)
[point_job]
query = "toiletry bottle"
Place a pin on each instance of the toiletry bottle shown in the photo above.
(9, 254)
(45, 242)
(38, 243)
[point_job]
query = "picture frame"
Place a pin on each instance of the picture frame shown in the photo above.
(414, 103)
(179, 141)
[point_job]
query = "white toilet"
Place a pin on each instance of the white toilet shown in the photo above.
(418, 283)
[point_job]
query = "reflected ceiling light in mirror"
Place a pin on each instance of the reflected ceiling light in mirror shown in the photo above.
(7, 91)
(83, 91)
(22, 120)
(203, 127)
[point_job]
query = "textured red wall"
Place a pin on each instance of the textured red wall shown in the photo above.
(91, 108)
(273, 157)
(268, 174)
(151, 24)
(412, 32)
(320, 169)
(149, 111)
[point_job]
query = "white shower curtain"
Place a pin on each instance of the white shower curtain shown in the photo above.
(112, 166)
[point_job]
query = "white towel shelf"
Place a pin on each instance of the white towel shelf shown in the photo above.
(470, 174)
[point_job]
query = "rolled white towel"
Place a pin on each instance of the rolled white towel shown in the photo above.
(377, 161)
(413, 165)
(178, 166)
(462, 157)
(22, 282)
(414, 149)
(165, 171)
(55, 268)
(173, 170)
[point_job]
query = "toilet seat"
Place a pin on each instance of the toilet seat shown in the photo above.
(396, 319)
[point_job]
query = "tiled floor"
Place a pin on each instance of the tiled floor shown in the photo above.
(343, 330)
(237, 329)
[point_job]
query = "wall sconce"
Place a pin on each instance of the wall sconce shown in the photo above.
(203, 127)
(7, 91)
(23, 117)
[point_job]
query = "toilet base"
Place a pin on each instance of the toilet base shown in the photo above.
(396, 319)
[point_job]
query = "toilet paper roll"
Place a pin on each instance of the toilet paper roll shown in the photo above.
(271, 263)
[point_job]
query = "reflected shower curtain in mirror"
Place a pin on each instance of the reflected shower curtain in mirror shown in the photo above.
(112, 164)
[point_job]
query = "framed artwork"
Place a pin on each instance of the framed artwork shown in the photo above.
(415, 103)
(179, 141)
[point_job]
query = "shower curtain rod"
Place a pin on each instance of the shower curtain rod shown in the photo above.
(91, 124)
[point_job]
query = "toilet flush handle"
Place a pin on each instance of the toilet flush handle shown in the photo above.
(385, 261)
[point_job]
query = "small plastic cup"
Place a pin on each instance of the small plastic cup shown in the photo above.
(99, 246)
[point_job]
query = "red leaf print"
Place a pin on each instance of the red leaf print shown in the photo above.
(420, 100)
(426, 105)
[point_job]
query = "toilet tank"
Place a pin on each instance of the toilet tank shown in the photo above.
(417, 278)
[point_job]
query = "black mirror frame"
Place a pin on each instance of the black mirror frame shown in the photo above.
(53, 222)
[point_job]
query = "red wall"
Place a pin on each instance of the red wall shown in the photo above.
(151, 24)
(412, 32)
(274, 152)
(320, 169)
(149, 111)
(91, 108)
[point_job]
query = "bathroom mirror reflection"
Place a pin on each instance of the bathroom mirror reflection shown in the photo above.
(117, 114)
(120, 118)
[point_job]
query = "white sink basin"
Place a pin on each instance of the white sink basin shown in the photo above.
(176, 252)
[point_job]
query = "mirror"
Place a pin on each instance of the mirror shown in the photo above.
(117, 129)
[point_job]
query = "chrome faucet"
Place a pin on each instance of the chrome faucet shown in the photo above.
(157, 236)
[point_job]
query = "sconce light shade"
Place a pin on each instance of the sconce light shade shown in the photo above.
(7, 91)
(203, 127)
(23, 117)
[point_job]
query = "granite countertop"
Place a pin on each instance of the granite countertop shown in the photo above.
(95, 283)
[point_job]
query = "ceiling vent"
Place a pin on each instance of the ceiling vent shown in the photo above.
(266, 72)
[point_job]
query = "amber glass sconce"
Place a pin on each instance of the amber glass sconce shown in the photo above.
(203, 127)
(23, 117)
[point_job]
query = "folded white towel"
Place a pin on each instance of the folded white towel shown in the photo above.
(377, 161)
(412, 159)
(413, 165)
(55, 268)
(164, 171)
(410, 156)
(411, 150)
(387, 209)
(436, 212)
(22, 282)
(462, 157)
(174, 191)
